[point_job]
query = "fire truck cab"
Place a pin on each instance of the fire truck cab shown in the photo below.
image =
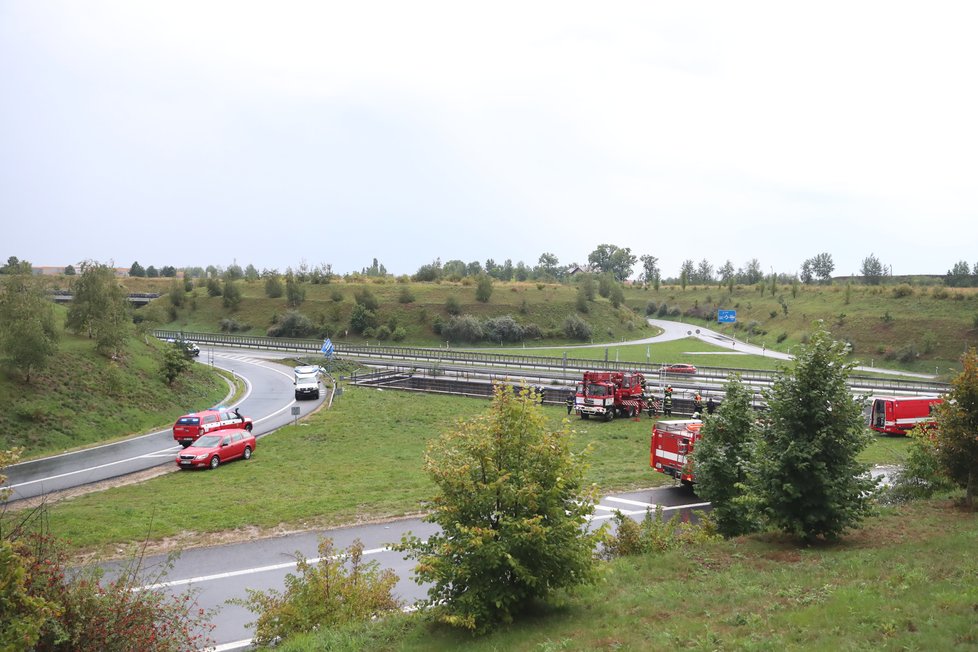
(672, 442)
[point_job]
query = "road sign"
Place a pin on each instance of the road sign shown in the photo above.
(726, 316)
(296, 409)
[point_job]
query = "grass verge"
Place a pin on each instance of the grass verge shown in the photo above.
(360, 460)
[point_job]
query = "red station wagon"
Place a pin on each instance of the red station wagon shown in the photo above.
(191, 426)
(210, 450)
(679, 369)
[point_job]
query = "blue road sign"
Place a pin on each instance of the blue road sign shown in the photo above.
(726, 316)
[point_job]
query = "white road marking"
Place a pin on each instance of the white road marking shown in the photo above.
(626, 501)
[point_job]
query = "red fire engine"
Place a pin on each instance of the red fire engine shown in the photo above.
(609, 394)
(897, 415)
(672, 442)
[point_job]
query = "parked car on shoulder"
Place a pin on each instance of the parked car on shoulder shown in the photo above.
(679, 369)
(210, 451)
(190, 427)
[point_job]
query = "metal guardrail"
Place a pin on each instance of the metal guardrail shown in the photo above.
(715, 374)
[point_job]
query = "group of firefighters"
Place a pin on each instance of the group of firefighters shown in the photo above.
(665, 406)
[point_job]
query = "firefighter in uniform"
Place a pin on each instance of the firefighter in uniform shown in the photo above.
(697, 407)
(667, 401)
(570, 403)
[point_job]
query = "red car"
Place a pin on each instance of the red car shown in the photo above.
(191, 426)
(210, 450)
(679, 369)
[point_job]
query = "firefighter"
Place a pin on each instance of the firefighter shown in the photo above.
(697, 406)
(710, 405)
(570, 403)
(667, 402)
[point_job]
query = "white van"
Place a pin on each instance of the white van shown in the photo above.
(307, 381)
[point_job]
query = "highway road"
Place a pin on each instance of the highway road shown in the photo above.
(268, 400)
(220, 573)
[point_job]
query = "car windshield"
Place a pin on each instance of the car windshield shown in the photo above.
(208, 441)
(597, 390)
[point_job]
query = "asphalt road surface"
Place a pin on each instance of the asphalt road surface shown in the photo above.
(267, 400)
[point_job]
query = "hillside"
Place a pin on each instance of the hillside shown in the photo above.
(83, 398)
(914, 327)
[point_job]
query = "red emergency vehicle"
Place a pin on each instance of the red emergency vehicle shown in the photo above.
(898, 415)
(609, 394)
(189, 427)
(672, 442)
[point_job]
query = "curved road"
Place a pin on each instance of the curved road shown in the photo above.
(267, 400)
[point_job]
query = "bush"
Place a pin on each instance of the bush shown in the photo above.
(650, 308)
(576, 328)
(502, 329)
(399, 334)
(656, 535)
(782, 337)
(365, 298)
(452, 306)
(405, 295)
(338, 589)
(336, 295)
(362, 318)
(383, 332)
(294, 324)
(663, 310)
(532, 332)
(273, 287)
(483, 290)
(464, 328)
(230, 325)
(902, 290)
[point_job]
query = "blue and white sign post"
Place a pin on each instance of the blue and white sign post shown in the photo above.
(327, 350)
(726, 316)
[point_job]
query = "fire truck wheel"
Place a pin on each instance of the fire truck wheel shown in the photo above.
(609, 415)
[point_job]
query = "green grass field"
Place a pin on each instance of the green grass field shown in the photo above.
(904, 581)
(359, 461)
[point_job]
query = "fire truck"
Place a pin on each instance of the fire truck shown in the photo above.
(897, 415)
(608, 394)
(672, 442)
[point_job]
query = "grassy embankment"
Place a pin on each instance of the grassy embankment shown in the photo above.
(904, 581)
(360, 460)
(902, 326)
(82, 398)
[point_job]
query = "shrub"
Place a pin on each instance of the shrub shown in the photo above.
(463, 328)
(576, 328)
(230, 325)
(362, 318)
(782, 337)
(338, 589)
(650, 308)
(532, 332)
(405, 295)
(902, 290)
(294, 324)
(657, 535)
(383, 332)
(273, 287)
(366, 298)
(502, 329)
(336, 295)
(939, 293)
(452, 306)
(399, 334)
(674, 312)
(663, 310)
(581, 303)
(483, 290)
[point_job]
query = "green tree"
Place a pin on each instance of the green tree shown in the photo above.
(16, 266)
(100, 308)
(723, 458)
(822, 267)
(70, 270)
(273, 286)
(483, 288)
(175, 360)
(366, 299)
(588, 286)
(362, 318)
(871, 270)
(251, 273)
(959, 275)
(28, 335)
(295, 294)
(812, 484)
(651, 275)
(152, 272)
(177, 293)
(687, 273)
(231, 294)
(512, 506)
(136, 270)
(618, 261)
(548, 267)
(956, 435)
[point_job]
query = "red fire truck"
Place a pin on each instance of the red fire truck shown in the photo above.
(609, 394)
(672, 442)
(897, 415)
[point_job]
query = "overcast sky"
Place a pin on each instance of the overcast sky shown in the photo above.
(276, 133)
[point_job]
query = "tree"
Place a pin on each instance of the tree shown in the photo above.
(251, 273)
(822, 267)
(168, 271)
(548, 267)
(871, 270)
(723, 459)
(651, 275)
(231, 294)
(483, 288)
(807, 272)
(958, 276)
(512, 506)
(809, 482)
(366, 299)
(99, 307)
(28, 336)
(429, 272)
(15, 266)
(687, 272)
(616, 260)
(752, 274)
(70, 270)
(152, 272)
(956, 435)
(588, 286)
(273, 286)
(704, 272)
(726, 274)
(137, 270)
(295, 294)
(175, 361)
